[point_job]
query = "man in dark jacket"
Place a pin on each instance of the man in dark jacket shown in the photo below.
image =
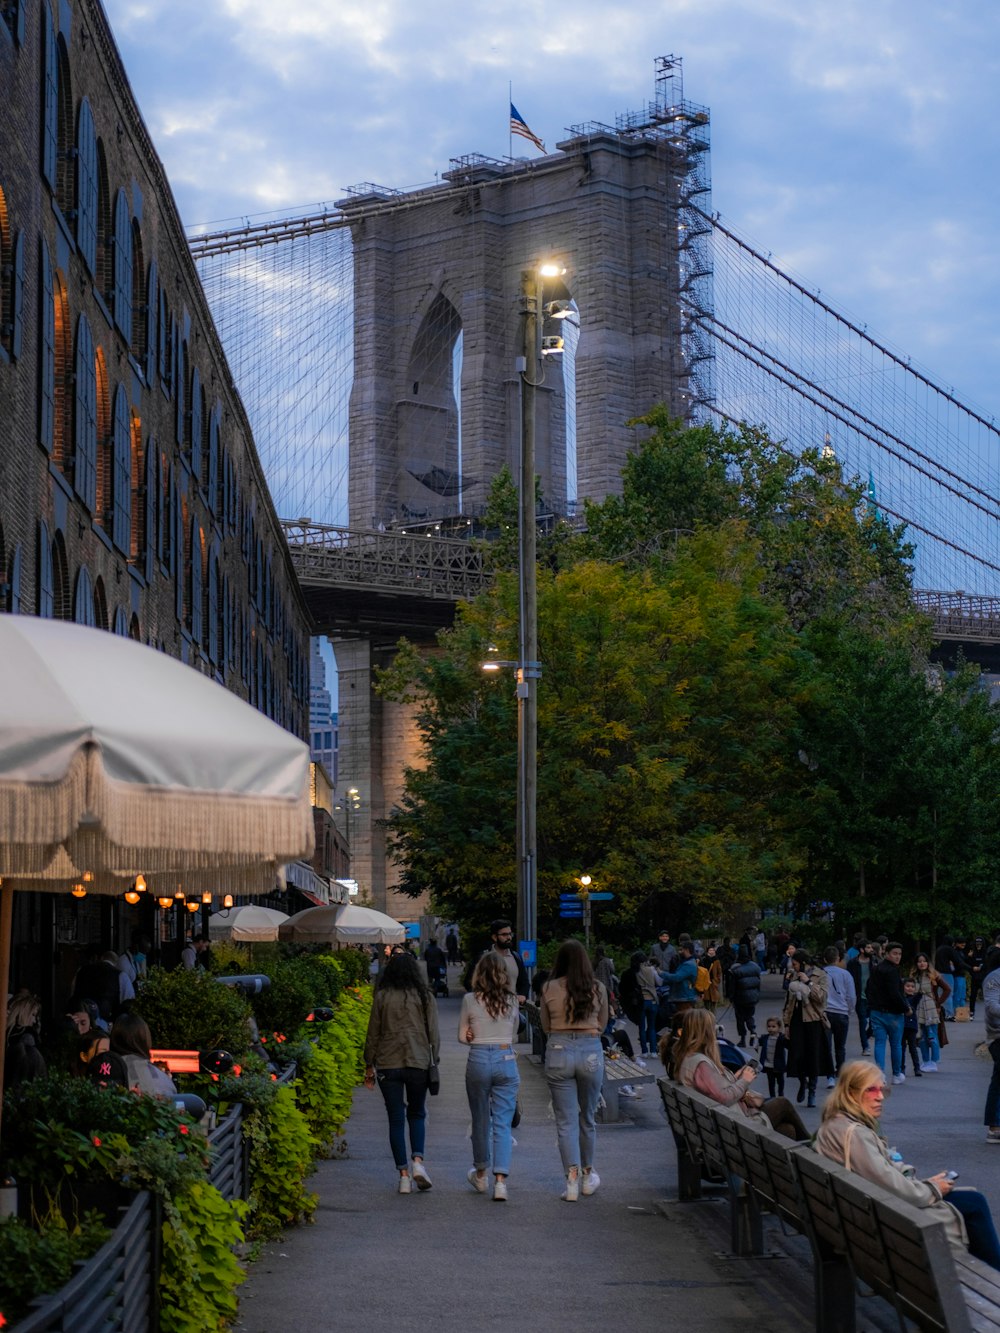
(951, 965)
(502, 937)
(860, 968)
(746, 994)
(887, 1008)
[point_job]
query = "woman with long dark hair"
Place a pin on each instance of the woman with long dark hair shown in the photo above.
(574, 1012)
(487, 1024)
(932, 990)
(401, 1044)
(804, 1017)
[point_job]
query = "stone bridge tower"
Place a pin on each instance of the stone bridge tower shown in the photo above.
(439, 277)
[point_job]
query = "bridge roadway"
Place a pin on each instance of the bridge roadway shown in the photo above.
(380, 585)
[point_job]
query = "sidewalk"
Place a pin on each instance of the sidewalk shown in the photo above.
(458, 1261)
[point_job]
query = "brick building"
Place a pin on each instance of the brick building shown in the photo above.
(131, 495)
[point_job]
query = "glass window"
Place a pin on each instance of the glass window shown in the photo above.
(86, 186)
(83, 599)
(122, 295)
(85, 417)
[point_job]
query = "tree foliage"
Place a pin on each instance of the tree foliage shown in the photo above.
(735, 710)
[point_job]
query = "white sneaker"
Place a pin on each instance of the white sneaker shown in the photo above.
(572, 1191)
(477, 1181)
(928, 1067)
(404, 1184)
(420, 1176)
(897, 1079)
(499, 1191)
(591, 1180)
(993, 1136)
(626, 1090)
(641, 1063)
(831, 1082)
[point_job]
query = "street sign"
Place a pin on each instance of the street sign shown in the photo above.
(528, 949)
(601, 897)
(569, 898)
(567, 910)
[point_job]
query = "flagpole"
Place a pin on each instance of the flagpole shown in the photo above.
(510, 132)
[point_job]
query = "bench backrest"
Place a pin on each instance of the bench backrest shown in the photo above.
(899, 1251)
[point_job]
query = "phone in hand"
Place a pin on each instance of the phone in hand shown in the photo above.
(753, 1064)
(951, 1175)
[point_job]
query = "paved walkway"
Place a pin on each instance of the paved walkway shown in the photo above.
(456, 1261)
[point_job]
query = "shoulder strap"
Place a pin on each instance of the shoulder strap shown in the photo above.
(852, 1126)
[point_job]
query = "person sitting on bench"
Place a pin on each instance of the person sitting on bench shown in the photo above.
(698, 1064)
(851, 1136)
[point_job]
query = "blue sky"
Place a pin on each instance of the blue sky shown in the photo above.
(854, 140)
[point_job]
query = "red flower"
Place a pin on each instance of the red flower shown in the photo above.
(97, 1143)
(184, 1129)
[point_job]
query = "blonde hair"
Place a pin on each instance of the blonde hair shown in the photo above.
(847, 1097)
(23, 1011)
(696, 1037)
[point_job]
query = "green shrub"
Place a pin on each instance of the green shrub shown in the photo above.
(200, 1273)
(352, 964)
(34, 1261)
(281, 1156)
(189, 1010)
(297, 986)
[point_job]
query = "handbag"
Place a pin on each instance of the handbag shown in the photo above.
(433, 1068)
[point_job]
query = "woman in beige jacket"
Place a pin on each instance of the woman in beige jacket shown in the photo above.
(805, 1021)
(851, 1136)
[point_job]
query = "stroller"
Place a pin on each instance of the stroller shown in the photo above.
(439, 984)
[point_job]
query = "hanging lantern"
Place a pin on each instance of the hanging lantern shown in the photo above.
(131, 897)
(88, 877)
(179, 895)
(78, 891)
(140, 884)
(192, 904)
(206, 898)
(227, 900)
(165, 903)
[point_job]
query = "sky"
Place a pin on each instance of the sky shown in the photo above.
(855, 141)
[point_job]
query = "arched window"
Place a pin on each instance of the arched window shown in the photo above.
(86, 186)
(100, 605)
(164, 330)
(85, 417)
(46, 354)
(167, 522)
(121, 622)
(182, 539)
(133, 628)
(83, 599)
(61, 606)
(13, 14)
(45, 575)
(62, 439)
(226, 660)
(122, 291)
(182, 383)
(11, 284)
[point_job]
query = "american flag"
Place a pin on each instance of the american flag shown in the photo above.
(519, 126)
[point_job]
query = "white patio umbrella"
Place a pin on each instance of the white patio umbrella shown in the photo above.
(250, 923)
(342, 924)
(116, 760)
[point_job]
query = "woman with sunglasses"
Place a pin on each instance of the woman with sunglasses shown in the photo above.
(851, 1135)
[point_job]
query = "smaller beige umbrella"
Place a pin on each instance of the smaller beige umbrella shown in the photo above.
(343, 924)
(251, 924)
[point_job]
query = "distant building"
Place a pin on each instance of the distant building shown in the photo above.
(323, 730)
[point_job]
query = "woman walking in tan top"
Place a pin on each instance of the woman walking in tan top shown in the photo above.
(401, 1044)
(574, 1010)
(487, 1024)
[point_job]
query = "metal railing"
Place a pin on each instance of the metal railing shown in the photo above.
(116, 1290)
(960, 615)
(230, 1156)
(439, 568)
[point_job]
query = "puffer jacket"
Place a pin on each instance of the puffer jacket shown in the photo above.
(746, 983)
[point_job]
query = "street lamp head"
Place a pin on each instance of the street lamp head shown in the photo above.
(585, 880)
(551, 270)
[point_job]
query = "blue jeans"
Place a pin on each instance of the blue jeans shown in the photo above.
(574, 1068)
(991, 1116)
(948, 1005)
(958, 991)
(405, 1093)
(930, 1048)
(491, 1084)
(647, 1027)
(888, 1025)
(975, 1210)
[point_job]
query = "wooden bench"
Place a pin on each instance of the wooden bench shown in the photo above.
(858, 1231)
(618, 1070)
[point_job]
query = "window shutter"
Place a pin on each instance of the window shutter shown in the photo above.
(47, 356)
(86, 186)
(123, 267)
(152, 500)
(121, 498)
(85, 441)
(19, 7)
(45, 601)
(196, 586)
(17, 303)
(213, 461)
(50, 103)
(153, 321)
(196, 425)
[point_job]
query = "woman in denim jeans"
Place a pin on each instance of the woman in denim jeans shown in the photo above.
(574, 1011)
(487, 1024)
(402, 1042)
